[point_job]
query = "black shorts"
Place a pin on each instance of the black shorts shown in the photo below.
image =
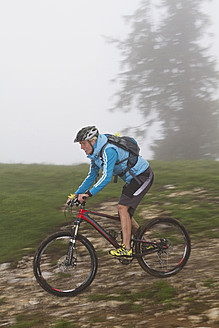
(133, 192)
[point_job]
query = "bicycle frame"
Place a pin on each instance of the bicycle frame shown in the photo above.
(84, 216)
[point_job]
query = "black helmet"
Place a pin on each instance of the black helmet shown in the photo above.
(86, 133)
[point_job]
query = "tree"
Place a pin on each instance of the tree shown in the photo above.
(169, 75)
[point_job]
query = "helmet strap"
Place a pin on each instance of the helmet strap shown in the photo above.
(91, 146)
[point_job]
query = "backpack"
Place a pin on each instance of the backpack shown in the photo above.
(127, 143)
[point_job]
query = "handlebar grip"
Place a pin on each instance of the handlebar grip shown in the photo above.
(69, 202)
(75, 201)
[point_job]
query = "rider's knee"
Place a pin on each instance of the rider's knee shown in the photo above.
(122, 208)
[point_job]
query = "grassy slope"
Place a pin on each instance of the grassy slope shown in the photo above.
(31, 197)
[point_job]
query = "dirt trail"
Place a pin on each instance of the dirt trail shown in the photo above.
(195, 304)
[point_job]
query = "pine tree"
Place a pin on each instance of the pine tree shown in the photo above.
(169, 72)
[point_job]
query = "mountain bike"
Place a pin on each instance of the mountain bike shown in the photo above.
(65, 263)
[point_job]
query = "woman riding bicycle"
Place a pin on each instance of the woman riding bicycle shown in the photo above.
(112, 160)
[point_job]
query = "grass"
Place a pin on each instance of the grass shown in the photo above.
(197, 209)
(27, 321)
(31, 198)
(63, 324)
(98, 319)
(161, 292)
(210, 283)
(35, 320)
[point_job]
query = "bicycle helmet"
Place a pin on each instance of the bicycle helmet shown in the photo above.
(86, 133)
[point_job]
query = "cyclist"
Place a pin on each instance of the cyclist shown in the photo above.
(133, 191)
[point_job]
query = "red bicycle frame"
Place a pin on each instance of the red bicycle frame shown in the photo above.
(84, 215)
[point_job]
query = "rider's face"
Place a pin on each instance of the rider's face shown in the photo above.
(85, 145)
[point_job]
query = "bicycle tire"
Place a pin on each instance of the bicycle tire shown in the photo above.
(54, 275)
(167, 259)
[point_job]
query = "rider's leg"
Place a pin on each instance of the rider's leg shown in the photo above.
(128, 203)
(130, 197)
(126, 225)
(135, 226)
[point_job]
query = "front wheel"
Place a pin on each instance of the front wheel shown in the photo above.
(54, 272)
(163, 247)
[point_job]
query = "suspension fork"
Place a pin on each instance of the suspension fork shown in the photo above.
(71, 246)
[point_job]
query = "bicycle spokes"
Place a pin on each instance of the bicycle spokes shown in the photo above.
(164, 247)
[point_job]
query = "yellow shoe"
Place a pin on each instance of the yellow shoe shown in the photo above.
(121, 252)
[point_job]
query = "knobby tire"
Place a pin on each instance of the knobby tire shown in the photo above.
(50, 267)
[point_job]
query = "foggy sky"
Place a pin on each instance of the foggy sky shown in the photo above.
(55, 72)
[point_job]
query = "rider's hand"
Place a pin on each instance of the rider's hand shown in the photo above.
(71, 197)
(82, 197)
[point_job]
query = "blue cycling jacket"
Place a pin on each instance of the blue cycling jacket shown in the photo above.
(107, 164)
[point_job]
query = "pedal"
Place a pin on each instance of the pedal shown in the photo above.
(125, 261)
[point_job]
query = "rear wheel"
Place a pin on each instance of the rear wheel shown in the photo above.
(55, 274)
(165, 247)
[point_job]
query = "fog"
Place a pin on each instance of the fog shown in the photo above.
(55, 76)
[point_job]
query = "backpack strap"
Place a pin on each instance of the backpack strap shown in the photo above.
(128, 169)
(129, 165)
(102, 150)
(101, 157)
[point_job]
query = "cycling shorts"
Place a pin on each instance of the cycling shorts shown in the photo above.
(133, 192)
